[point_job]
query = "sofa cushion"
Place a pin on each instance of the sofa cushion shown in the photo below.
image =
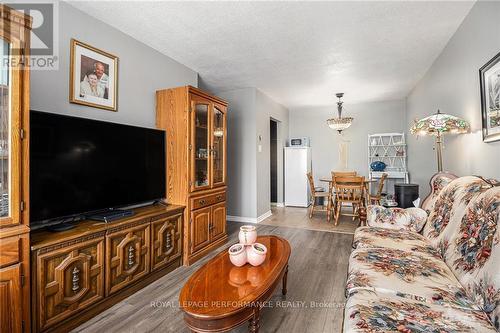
(474, 252)
(405, 274)
(437, 183)
(396, 218)
(374, 237)
(371, 312)
(449, 208)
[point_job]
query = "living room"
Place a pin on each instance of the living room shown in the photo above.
(250, 166)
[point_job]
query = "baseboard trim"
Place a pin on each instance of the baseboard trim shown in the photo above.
(280, 204)
(244, 219)
(264, 216)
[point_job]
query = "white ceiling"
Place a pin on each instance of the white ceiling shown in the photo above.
(299, 53)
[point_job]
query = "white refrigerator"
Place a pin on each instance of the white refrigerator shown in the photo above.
(297, 165)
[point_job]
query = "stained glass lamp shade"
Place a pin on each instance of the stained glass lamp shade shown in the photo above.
(437, 125)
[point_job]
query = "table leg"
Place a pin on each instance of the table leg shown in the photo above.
(254, 324)
(285, 278)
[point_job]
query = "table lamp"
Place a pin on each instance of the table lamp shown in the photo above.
(439, 124)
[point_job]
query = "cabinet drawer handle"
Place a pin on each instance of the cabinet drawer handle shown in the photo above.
(75, 279)
(203, 201)
(219, 197)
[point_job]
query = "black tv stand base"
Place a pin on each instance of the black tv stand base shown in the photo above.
(61, 227)
(111, 215)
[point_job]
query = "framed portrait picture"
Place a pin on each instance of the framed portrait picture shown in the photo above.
(489, 78)
(93, 77)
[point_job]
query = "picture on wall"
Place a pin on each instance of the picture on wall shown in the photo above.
(489, 76)
(93, 77)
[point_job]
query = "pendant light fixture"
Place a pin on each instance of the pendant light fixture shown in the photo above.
(340, 123)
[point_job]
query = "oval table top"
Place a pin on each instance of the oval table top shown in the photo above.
(219, 289)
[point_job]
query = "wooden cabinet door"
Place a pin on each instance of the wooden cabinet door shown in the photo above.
(199, 146)
(127, 255)
(10, 141)
(200, 233)
(69, 278)
(218, 146)
(218, 224)
(166, 240)
(10, 299)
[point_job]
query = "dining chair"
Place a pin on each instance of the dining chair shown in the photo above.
(314, 195)
(344, 173)
(375, 199)
(331, 189)
(350, 190)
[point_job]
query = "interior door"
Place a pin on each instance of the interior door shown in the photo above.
(10, 139)
(200, 143)
(218, 149)
(200, 229)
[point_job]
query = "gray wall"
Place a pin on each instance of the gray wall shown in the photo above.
(248, 169)
(266, 109)
(141, 71)
(241, 152)
(369, 118)
(452, 85)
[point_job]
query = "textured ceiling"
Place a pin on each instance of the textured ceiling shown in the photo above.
(299, 53)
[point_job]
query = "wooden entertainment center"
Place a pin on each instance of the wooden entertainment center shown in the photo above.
(80, 272)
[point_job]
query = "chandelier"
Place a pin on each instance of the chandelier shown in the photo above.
(340, 123)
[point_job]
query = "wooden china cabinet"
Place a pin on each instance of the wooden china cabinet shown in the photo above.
(14, 204)
(195, 123)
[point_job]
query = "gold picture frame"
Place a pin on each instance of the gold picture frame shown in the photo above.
(93, 77)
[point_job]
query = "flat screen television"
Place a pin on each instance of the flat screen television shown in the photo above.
(79, 166)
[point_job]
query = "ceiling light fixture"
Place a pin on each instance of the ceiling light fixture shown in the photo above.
(340, 123)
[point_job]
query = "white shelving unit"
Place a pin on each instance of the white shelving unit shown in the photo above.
(389, 148)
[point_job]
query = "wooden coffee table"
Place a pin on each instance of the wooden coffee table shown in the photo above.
(220, 296)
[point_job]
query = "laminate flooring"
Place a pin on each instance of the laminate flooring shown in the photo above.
(296, 217)
(314, 303)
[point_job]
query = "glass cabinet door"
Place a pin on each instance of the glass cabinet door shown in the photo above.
(9, 144)
(200, 145)
(218, 145)
(5, 132)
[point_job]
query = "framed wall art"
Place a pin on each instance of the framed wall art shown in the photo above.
(93, 77)
(489, 78)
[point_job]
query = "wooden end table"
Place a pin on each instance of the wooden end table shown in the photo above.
(220, 296)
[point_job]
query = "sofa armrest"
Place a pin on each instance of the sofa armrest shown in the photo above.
(396, 218)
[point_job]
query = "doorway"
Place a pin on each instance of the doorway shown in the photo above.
(274, 160)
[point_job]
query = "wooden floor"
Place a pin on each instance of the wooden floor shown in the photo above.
(296, 217)
(314, 303)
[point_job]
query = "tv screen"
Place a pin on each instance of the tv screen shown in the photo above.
(80, 165)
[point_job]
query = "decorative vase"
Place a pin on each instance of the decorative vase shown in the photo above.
(247, 234)
(238, 255)
(256, 254)
(378, 166)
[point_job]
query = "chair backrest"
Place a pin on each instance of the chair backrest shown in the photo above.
(344, 173)
(311, 183)
(349, 189)
(381, 184)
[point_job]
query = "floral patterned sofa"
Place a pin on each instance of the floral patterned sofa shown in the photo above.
(440, 277)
